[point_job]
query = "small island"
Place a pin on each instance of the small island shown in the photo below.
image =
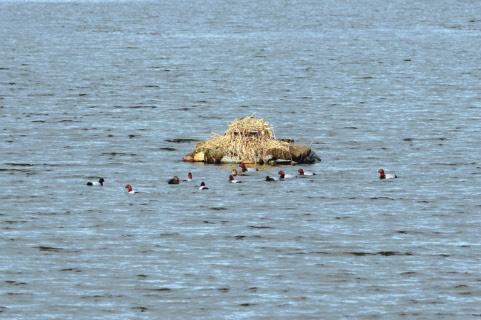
(251, 140)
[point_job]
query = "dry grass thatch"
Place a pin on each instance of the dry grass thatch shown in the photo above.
(248, 138)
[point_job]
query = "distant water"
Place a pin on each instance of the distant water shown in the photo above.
(91, 89)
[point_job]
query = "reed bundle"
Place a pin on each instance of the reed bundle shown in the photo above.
(249, 139)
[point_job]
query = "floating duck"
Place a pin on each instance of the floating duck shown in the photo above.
(244, 168)
(283, 175)
(174, 180)
(301, 172)
(129, 189)
(96, 183)
(233, 180)
(270, 179)
(203, 186)
(385, 176)
(189, 177)
(236, 173)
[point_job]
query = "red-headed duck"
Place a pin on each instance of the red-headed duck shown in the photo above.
(96, 183)
(243, 168)
(283, 175)
(203, 186)
(301, 172)
(233, 180)
(129, 189)
(385, 176)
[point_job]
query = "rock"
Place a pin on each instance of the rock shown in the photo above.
(228, 159)
(199, 156)
(249, 140)
(297, 153)
(312, 158)
(265, 159)
(278, 154)
(188, 158)
(213, 155)
(283, 161)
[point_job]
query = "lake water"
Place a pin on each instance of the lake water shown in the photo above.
(104, 88)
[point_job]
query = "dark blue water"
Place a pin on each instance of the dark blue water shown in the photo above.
(91, 89)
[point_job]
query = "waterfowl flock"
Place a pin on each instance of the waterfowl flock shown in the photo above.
(241, 171)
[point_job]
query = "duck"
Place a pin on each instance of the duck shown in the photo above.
(236, 173)
(233, 180)
(129, 189)
(96, 183)
(174, 180)
(385, 176)
(301, 172)
(203, 186)
(270, 179)
(243, 168)
(283, 175)
(189, 177)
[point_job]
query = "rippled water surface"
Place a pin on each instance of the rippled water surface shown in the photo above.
(91, 89)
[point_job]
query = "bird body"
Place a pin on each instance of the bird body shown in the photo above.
(130, 190)
(386, 176)
(96, 183)
(301, 172)
(283, 175)
(233, 180)
(243, 168)
(174, 180)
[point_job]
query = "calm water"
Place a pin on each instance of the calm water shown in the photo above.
(92, 89)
